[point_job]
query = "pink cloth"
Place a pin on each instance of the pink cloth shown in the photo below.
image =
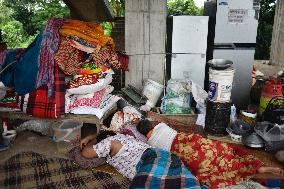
(86, 100)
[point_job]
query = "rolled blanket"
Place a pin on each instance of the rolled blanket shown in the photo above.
(158, 168)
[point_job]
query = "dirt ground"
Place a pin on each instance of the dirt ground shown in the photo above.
(30, 141)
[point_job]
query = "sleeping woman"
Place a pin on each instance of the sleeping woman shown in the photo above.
(214, 163)
(146, 167)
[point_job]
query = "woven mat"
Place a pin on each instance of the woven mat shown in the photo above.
(32, 170)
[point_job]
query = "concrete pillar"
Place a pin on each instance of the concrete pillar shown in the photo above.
(277, 44)
(145, 35)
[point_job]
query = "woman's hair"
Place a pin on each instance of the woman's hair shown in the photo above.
(107, 121)
(104, 134)
(144, 126)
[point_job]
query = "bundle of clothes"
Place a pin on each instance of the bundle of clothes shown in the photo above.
(66, 69)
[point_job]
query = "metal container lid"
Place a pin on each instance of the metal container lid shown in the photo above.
(220, 63)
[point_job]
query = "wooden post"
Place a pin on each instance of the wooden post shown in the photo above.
(145, 31)
(277, 44)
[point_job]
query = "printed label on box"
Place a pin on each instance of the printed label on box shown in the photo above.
(237, 16)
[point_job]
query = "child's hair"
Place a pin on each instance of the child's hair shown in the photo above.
(144, 126)
(88, 129)
(104, 134)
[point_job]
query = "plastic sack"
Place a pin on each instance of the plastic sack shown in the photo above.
(176, 88)
(178, 105)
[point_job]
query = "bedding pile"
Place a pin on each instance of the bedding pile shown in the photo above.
(66, 69)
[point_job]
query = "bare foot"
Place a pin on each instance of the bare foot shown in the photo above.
(273, 170)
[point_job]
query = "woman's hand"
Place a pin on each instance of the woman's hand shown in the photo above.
(86, 140)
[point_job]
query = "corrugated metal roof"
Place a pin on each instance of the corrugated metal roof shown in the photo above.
(90, 10)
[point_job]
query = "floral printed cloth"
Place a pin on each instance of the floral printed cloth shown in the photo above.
(10, 100)
(90, 88)
(93, 100)
(214, 163)
(128, 114)
(68, 58)
(126, 159)
(83, 80)
(106, 54)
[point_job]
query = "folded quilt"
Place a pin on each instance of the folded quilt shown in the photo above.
(88, 31)
(107, 103)
(88, 87)
(93, 100)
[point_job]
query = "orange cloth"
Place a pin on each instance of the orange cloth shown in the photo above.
(88, 31)
(149, 134)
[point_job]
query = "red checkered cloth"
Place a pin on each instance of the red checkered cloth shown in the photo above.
(38, 104)
(59, 90)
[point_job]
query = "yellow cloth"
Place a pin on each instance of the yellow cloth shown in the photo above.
(88, 31)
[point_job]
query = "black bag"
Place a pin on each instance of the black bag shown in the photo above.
(274, 112)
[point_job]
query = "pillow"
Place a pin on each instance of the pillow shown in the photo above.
(75, 155)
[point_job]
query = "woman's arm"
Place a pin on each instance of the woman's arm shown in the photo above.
(89, 151)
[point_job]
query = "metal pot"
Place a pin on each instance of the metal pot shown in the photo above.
(253, 140)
